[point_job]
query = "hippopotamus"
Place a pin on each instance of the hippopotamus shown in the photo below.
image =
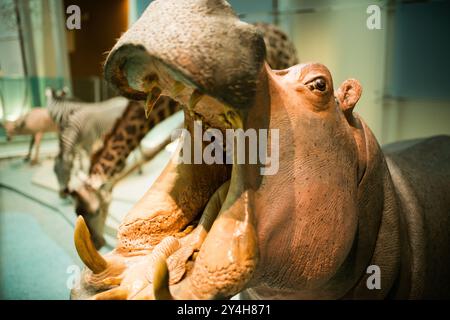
(336, 206)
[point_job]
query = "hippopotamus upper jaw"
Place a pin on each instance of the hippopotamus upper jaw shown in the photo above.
(209, 48)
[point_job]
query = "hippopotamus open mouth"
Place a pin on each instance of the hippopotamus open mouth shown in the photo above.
(203, 57)
(211, 230)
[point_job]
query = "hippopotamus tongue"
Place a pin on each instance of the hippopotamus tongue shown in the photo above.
(185, 36)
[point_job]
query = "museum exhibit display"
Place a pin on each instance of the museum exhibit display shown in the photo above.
(216, 150)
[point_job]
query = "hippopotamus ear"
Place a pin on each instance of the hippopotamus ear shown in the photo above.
(348, 95)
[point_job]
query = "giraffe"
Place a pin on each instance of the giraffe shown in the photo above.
(93, 197)
(280, 51)
(81, 126)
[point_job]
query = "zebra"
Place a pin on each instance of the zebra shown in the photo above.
(81, 125)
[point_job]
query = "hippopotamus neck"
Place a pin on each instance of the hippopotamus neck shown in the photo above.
(376, 242)
(380, 240)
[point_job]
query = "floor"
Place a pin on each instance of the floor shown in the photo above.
(37, 257)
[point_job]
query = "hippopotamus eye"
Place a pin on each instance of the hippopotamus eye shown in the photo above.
(320, 84)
